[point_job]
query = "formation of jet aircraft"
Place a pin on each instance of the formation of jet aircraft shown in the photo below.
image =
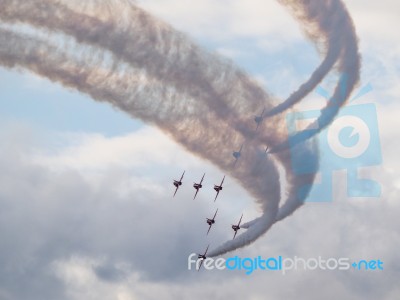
(210, 221)
(218, 188)
(198, 186)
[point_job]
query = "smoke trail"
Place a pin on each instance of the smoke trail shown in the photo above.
(349, 67)
(190, 125)
(260, 178)
(187, 92)
(166, 55)
(150, 44)
(327, 16)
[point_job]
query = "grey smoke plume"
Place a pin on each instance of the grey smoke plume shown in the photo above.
(323, 19)
(343, 34)
(116, 52)
(193, 125)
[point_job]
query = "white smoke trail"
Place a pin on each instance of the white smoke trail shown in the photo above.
(143, 98)
(190, 94)
(147, 43)
(342, 39)
(349, 68)
(322, 19)
(349, 65)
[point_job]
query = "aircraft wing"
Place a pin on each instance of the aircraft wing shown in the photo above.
(216, 196)
(240, 220)
(197, 190)
(202, 178)
(182, 175)
(205, 253)
(209, 228)
(201, 263)
(235, 235)
(176, 190)
(223, 179)
(215, 214)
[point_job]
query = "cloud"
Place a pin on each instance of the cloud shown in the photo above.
(254, 18)
(374, 20)
(108, 214)
(83, 281)
(93, 151)
(64, 237)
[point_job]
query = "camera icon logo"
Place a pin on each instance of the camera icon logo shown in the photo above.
(351, 143)
(349, 137)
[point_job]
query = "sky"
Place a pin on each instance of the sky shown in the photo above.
(86, 191)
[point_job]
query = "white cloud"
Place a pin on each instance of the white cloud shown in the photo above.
(221, 20)
(229, 52)
(121, 239)
(95, 151)
(375, 20)
(79, 276)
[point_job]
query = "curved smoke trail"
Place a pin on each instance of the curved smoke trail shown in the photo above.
(327, 17)
(192, 125)
(349, 63)
(335, 24)
(147, 43)
(156, 74)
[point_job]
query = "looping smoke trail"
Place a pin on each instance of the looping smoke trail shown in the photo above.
(321, 17)
(349, 63)
(156, 74)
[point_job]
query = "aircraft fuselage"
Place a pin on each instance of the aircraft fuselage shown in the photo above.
(210, 221)
(218, 188)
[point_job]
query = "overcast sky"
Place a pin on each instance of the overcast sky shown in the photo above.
(86, 207)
